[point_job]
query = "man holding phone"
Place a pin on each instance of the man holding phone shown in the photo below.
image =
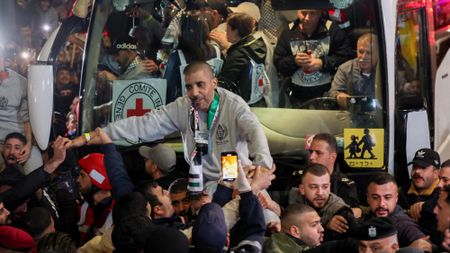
(308, 53)
(208, 117)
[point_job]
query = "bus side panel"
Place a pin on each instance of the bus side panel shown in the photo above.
(389, 31)
(442, 107)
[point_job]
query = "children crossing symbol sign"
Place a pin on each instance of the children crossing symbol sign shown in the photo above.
(364, 147)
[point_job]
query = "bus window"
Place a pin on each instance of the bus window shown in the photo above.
(363, 110)
(123, 87)
(411, 76)
(441, 13)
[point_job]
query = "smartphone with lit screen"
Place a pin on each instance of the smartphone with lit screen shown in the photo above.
(229, 162)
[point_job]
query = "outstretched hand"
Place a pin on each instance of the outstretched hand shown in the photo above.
(59, 146)
(103, 136)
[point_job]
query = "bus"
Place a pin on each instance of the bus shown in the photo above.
(407, 113)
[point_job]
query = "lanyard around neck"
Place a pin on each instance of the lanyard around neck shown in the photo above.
(213, 112)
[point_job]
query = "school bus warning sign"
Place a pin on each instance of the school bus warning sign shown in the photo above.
(364, 147)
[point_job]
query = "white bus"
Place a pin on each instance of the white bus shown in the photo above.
(412, 84)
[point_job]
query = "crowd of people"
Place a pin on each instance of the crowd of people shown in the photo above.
(51, 201)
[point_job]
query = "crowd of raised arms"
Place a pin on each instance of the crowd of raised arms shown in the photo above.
(83, 195)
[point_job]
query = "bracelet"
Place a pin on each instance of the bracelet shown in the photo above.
(87, 136)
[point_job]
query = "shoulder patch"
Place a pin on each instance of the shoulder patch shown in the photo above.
(347, 181)
(297, 173)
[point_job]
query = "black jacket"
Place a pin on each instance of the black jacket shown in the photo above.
(25, 188)
(344, 187)
(406, 200)
(340, 48)
(237, 67)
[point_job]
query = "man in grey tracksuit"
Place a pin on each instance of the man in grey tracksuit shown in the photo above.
(222, 118)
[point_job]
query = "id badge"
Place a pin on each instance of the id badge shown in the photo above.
(201, 137)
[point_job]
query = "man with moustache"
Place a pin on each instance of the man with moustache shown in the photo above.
(382, 196)
(314, 190)
(14, 114)
(12, 150)
(300, 230)
(425, 179)
(95, 188)
(356, 77)
(179, 195)
(323, 150)
(207, 115)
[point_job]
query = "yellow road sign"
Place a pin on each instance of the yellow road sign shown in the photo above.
(364, 147)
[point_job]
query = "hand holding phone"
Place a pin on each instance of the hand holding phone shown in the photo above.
(229, 162)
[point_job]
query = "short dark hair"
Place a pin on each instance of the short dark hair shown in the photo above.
(63, 67)
(56, 242)
(35, 221)
(315, 169)
(179, 185)
(131, 224)
(131, 204)
(243, 23)
(16, 135)
(446, 163)
(146, 188)
(131, 234)
(381, 179)
(196, 66)
(292, 213)
(328, 138)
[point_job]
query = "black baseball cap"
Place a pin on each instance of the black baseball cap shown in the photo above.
(425, 157)
(376, 228)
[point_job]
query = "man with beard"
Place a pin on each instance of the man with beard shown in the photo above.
(11, 151)
(16, 195)
(94, 186)
(14, 115)
(382, 196)
(159, 162)
(323, 150)
(208, 116)
(425, 179)
(314, 190)
(300, 231)
(179, 195)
